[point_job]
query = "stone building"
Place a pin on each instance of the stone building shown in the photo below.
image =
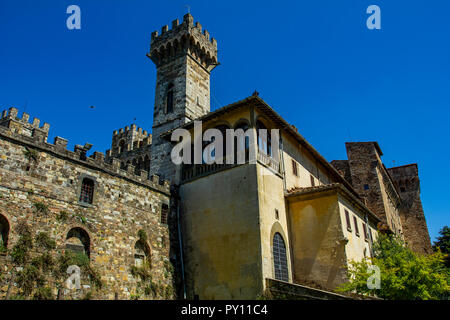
(284, 217)
(84, 204)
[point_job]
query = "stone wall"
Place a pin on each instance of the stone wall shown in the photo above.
(35, 174)
(411, 212)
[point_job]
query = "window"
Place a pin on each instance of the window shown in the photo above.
(4, 233)
(364, 231)
(264, 138)
(238, 144)
(87, 191)
(366, 187)
(277, 214)
(312, 181)
(164, 213)
(355, 221)
(141, 253)
(370, 234)
(169, 101)
(78, 241)
(294, 168)
(121, 146)
(347, 220)
(280, 258)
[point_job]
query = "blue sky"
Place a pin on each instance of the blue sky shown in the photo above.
(315, 62)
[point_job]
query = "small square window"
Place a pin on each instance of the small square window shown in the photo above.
(366, 187)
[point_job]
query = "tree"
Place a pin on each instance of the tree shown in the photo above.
(404, 275)
(443, 244)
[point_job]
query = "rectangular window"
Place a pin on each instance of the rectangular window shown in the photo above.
(365, 231)
(164, 213)
(355, 221)
(370, 233)
(312, 181)
(294, 168)
(347, 220)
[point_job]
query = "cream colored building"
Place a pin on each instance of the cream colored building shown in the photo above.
(267, 219)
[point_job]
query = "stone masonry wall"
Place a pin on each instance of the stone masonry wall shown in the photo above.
(123, 204)
(411, 212)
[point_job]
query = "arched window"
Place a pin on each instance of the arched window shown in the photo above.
(78, 241)
(87, 191)
(147, 163)
(121, 146)
(141, 253)
(244, 126)
(4, 233)
(280, 258)
(169, 101)
(264, 142)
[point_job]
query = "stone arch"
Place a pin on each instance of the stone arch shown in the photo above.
(142, 253)
(278, 229)
(122, 145)
(78, 239)
(5, 228)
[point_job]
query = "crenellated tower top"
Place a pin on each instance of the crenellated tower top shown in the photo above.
(185, 38)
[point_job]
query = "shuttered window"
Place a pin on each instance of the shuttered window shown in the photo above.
(347, 220)
(356, 226)
(164, 213)
(294, 168)
(280, 258)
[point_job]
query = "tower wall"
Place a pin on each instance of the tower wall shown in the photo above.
(184, 57)
(411, 212)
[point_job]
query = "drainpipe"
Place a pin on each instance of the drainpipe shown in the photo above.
(282, 164)
(369, 234)
(180, 240)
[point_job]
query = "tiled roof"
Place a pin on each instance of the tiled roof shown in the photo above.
(332, 186)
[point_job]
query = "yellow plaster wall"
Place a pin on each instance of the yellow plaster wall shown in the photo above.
(221, 235)
(357, 247)
(271, 198)
(317, 240)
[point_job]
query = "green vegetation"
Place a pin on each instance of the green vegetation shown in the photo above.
(405, 275)
(40, 208)
(443, 244)
(38, 267)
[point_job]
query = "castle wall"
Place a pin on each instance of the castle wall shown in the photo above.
(371, 180)
(123, 204)
(411, 212)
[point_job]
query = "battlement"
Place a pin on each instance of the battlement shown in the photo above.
(130, 138)
(185, 38)
(10, 119)
(98, 161)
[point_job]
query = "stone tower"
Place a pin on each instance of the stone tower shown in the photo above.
(184, 57)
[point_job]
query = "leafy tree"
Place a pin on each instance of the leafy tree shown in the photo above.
(405, 275)
(443, 244)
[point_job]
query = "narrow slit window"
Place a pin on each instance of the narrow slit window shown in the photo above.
(169, 101)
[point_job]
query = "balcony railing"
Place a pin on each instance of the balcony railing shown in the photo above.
(189, 172)
(269, 161)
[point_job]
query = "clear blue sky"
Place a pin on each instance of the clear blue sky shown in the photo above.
(315, 62)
